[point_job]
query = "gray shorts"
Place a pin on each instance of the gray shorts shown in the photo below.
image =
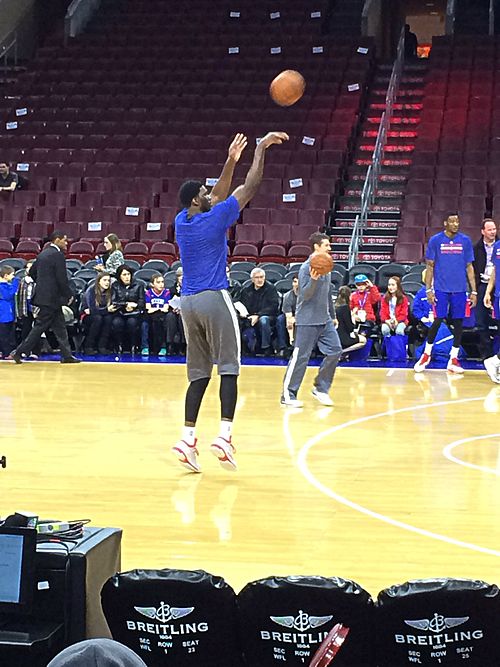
(212, 334)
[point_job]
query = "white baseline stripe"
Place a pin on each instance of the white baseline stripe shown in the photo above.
(302, 464)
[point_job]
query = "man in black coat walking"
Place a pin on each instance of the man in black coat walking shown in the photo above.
(52, 291)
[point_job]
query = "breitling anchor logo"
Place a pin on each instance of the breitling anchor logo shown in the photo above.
(437, 623)
(164, 612)
(302, 621)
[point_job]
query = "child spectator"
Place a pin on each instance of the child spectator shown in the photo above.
(350, 339)
(24, 307)
(363, 302)
(127, 306)
(113, 257)
(96, 315)
(8, 289)
(174, 319)
(394, 309)
(155, 323)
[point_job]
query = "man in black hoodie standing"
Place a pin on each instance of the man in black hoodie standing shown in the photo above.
(261, 299)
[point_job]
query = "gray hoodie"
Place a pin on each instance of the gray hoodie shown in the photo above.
(97, 653)
(314, 303)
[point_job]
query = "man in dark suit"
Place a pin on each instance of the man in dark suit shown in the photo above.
(52, 291)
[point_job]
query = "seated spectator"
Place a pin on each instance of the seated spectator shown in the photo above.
(127, 304)
(394, 309)
(234, 286)
(155, 325)
(350, 339)
(97, 653)
(9, 180)
(261, 300)
(363, 302)
(97, 316)
(113, 257)
(177, 344)
(24, 308)
(288, 307)
(8, 288)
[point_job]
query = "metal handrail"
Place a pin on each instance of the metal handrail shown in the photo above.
(450, 17)
(371, 180)
(491, 24)
(78, 15)
(5, 50)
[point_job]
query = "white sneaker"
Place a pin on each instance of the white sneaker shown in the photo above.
(422, 363)
(322, 397)
(291, 402)
(187, 455)
(492, 366)
(454, 366)
(223, 450)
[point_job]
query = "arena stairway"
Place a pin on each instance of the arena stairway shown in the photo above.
(385, 214)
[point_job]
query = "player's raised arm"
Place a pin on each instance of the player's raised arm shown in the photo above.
(246, 191)
(221, 189)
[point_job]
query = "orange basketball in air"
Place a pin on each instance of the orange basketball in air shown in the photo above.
(322, 263)
(287, 88)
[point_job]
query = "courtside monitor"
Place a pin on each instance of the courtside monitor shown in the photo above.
(17, 569)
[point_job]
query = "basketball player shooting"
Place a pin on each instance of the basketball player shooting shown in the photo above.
(314, 325)
(209, 317)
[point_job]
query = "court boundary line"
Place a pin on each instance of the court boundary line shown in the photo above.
(451, 457)
(304, 469)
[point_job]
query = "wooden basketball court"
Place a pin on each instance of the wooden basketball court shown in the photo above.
(399, 480)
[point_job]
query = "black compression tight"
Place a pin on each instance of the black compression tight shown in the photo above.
(457, 326)
(194, 397)
(228, 394)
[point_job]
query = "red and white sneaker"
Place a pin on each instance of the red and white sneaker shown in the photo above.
(223, 449)
(422, 363)
(187, 455)
(454, 366)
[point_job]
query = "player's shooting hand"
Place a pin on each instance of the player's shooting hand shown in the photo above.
(237, 147)
(313, 273)
(273, 138)
(487, 300)
(473, 300)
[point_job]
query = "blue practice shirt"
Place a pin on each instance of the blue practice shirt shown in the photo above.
(495, 258)
(203, 246)
(450, 257)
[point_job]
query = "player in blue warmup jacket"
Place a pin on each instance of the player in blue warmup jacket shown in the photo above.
(449, 260)
(209, 317)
